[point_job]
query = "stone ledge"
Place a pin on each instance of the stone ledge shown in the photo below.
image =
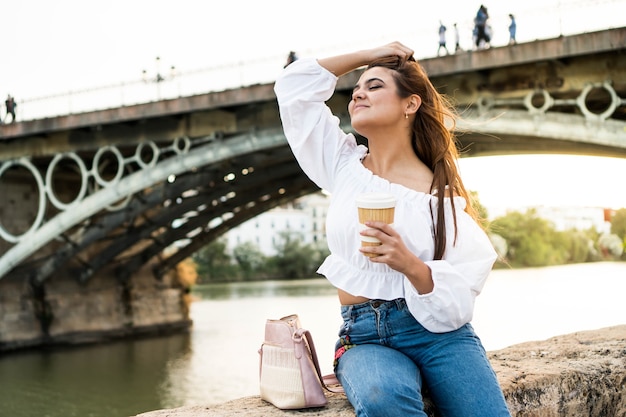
(578, 374)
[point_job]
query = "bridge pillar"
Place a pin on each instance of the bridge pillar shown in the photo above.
(64, 310)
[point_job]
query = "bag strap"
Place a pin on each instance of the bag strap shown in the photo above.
(326, 380)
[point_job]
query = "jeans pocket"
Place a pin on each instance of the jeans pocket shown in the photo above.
(343, 344)
(346, 326)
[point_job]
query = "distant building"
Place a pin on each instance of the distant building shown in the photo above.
(305, 217)
(316, 205)
(580, 218)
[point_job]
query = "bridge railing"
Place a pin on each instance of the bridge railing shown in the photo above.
(566, 18)
(200, 81)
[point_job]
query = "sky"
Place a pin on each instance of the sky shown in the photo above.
(53, 47)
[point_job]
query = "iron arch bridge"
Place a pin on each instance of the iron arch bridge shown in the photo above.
(135, 202)
(151, 184)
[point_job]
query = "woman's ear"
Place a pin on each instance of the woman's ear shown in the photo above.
(413, 104)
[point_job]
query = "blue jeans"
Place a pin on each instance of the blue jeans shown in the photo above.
(385, 359)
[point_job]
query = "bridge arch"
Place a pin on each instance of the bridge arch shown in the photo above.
(190, 198)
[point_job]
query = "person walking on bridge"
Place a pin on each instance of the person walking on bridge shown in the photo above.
(457, 40)
(10, 105)
(512, 30)
(406, 304)
(291, 58)
(480, 26)
(442, 39)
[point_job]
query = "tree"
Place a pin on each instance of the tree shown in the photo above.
(611, 245)
(578, 245)
(593, 235)
(214, 264)
(499, 244)
(481, 211)
(532, 241)
(294, 259)
(250, 259)
(618, 223)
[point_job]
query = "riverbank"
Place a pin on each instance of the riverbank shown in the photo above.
(577, 374)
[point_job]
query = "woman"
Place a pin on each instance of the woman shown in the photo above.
(406, 311)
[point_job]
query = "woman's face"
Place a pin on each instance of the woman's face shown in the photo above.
(375, 101)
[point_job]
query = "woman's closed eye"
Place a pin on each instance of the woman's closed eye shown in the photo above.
(371, 87)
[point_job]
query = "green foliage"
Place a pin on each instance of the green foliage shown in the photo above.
(293, 258)
(250, 259)
(499, 244)
(578, 244)
(618, 227)
(611, 245)
(533, 241)
(481, 210)
(214, 264)
(618, 223)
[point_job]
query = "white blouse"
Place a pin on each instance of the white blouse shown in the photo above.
(333, 160)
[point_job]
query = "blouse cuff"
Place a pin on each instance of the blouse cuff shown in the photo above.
(448, 306)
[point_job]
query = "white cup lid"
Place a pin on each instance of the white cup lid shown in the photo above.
(375, 200)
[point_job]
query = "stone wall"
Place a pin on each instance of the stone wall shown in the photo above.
(66, 311)
(574, 375)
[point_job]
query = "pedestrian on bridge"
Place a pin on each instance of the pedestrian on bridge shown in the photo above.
(512, 30)
(481, 30)
(406, 304)
(10, 105)
(457, 40)
(442, 39)
(291, 58)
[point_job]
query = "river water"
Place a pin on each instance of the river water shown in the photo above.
(218, 360)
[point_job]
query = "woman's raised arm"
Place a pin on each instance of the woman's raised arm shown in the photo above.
(342, 64)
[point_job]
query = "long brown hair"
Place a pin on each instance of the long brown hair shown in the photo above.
(433, 141)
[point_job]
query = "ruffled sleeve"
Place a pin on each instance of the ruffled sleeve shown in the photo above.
(312, 131)
(458, 278)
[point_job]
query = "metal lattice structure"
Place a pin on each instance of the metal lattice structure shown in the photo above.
(179, 198)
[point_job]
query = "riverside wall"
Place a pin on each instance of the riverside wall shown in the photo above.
(573, 375)
(64, 310)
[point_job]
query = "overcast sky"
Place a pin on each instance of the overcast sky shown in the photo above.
(55, 46)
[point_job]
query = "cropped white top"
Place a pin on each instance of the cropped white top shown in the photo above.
(333, 160)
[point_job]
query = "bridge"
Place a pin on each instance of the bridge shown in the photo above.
(101, 207)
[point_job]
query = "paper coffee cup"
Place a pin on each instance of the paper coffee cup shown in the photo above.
(378, 207)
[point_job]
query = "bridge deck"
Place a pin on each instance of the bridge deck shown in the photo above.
(558, 49)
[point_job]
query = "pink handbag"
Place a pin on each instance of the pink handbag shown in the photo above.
(290, 375)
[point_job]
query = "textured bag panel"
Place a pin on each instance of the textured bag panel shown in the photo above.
(281, 380)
